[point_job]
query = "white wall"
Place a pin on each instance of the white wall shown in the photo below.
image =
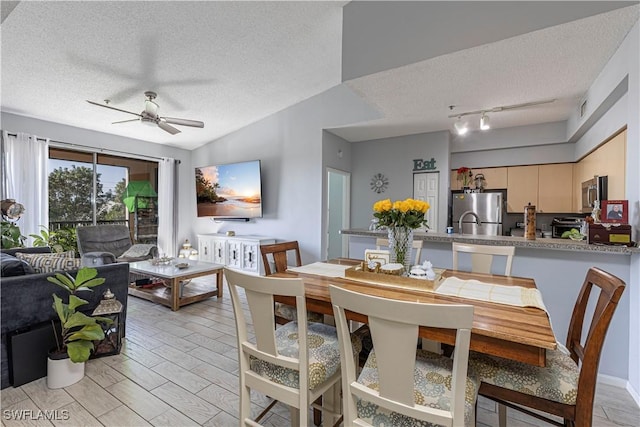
(289, 145)
(393, 157)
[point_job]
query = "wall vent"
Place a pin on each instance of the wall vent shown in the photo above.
(583, 108)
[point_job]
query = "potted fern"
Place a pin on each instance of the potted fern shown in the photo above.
(75, 339)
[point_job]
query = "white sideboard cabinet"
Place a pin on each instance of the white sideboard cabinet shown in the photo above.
(239, 252)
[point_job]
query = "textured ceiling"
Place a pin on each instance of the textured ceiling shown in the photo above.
(558, 62)
(227, 64)
(230, 64)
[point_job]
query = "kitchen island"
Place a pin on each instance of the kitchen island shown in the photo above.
(558, 267)
(518, 242)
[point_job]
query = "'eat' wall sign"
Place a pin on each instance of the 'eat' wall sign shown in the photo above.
(424, 165)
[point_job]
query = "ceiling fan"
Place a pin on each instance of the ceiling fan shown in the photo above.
(150, 115)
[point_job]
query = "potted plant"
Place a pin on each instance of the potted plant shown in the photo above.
(75, 339)
(465, 175)
(11, 235)
(59, 241)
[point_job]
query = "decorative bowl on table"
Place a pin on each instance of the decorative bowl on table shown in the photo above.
(165, 260)
(182, 265)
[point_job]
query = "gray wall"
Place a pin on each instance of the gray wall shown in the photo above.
(290, 147)
(336, 154)
(522, 145)
(393, 157)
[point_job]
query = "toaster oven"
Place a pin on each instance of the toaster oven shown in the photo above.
(560, 225)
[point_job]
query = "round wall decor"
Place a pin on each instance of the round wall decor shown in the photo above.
(379, 183)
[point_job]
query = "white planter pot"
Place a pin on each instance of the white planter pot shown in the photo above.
(63, 372)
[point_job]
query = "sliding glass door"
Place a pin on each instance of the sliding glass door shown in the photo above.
(90, 188)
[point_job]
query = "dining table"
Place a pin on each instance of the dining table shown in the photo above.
(518, 333)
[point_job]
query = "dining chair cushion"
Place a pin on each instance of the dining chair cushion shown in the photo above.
(432, 376)
(324, 354)
(288, 312)
(558, 381)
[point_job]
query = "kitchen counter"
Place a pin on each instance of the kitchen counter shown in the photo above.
(540, 243)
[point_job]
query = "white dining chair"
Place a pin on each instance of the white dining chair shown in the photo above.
(482, 256)
(416, 246)
(295, 363)
(399, 384)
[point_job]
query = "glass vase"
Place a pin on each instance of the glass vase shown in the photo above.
(400, 246)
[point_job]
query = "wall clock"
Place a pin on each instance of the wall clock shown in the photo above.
(379, 183)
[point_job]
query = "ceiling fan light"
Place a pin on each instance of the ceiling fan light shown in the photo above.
(461, 127)
(484, 122)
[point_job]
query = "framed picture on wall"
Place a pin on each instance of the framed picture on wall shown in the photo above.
(615, 211)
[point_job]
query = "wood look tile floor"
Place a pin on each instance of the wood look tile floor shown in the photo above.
(180, 369)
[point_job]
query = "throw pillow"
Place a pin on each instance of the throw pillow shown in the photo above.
(138, 250)
(12, 266)
(48, 263)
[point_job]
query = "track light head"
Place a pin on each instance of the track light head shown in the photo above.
(484, 122)
(461, 127)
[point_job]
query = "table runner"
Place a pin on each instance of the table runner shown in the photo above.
(500, 294)
(321, 269)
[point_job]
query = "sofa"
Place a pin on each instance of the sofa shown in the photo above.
(26, 298)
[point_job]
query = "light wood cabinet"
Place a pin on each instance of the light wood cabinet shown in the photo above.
(522, 187)
(495, 178)
(555, 188)
(549, 187)
(607, 160)
(453, 181)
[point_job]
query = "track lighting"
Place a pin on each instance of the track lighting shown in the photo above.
(484, 122)
(461, 127)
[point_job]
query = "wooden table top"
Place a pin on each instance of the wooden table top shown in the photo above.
(518, 333)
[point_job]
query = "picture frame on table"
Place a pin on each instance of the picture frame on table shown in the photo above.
(615, 211)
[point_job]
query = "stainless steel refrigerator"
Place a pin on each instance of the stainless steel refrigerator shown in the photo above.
(488, 208)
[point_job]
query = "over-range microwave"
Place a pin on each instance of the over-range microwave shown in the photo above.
(592, 190)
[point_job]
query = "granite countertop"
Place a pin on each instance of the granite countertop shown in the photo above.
(540, 243)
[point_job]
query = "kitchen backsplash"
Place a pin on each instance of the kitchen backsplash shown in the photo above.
(543, 221)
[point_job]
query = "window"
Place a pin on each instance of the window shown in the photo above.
(72, 198)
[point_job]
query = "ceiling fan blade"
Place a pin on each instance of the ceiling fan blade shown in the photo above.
(183, 122)
(113, 108)
(125, 121)
(162, 125)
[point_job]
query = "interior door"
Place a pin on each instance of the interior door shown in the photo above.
(425, 187)
(338, 202)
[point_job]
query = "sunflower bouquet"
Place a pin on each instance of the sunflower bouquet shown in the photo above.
(407, 213)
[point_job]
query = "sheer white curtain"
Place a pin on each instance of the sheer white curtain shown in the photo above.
(25, 179)
(167, 216)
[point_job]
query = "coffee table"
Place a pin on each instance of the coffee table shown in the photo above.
(173, 294)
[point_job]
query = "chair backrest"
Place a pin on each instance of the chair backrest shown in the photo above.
(114, 238)
(394, 331)
(259, 292)
(278, 252)
(611, 288)
(482, 256)
(416, 246)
